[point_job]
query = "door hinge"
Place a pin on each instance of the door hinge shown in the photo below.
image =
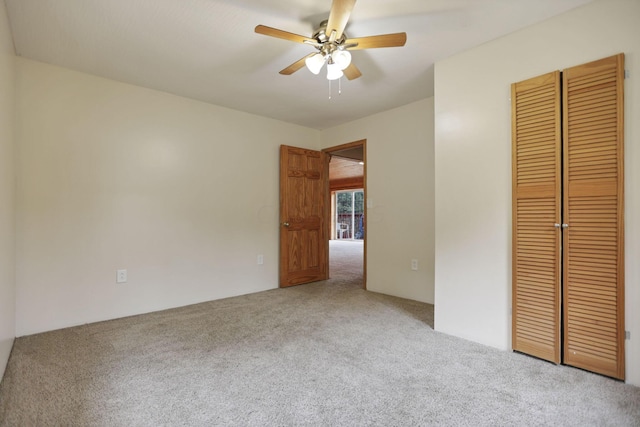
(626, 74)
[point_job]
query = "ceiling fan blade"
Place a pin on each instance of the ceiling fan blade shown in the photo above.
(352, 72)
(385, 40)
(296, 65)
(339, 16)
(274, 32)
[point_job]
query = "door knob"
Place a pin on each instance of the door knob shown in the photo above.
(286, 224)
(556, 225)
(565, 225)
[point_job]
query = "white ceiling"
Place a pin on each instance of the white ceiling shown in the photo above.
(207, 49)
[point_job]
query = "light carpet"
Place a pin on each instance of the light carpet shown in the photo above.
(328, 353)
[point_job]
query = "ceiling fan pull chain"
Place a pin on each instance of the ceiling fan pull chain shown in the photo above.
(329, 89)
(340, 86)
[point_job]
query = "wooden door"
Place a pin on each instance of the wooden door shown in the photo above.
(593, 288)
(304, 246)
(536, 161)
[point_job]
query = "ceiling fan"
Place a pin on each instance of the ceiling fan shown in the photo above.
(332, 44)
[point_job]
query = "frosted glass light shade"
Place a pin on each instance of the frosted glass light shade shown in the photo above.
(342, 58)
(314, 63)
(334, 72)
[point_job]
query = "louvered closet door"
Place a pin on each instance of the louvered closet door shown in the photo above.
(536, 144)
(593, 204)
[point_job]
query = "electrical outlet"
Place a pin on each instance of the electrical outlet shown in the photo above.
(414, 264)
(627, 335)
(121, 276)
(260, 259)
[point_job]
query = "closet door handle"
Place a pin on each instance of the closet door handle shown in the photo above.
(556, 225)
(565, 225)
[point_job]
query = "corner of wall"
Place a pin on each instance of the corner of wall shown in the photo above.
(7, 190)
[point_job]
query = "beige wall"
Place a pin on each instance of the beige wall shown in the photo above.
(7, 230)
(473, 165)
(400, 194)
(182, 194)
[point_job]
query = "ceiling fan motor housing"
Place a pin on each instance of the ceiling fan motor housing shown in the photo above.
(325, 45)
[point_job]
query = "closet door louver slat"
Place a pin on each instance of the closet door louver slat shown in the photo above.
(536, 208)
(593, 282)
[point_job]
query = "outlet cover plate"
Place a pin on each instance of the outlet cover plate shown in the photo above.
(121, 276)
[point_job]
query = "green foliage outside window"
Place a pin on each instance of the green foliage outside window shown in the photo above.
(343, 202)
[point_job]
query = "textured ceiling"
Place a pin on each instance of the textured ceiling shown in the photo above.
(207, 49)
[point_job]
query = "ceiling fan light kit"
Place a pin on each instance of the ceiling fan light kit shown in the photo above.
(333, 44)
(342, 58)
(315, 62)
(339, 59)
(333, 70)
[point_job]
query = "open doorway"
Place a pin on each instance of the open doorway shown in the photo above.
(347, 187)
